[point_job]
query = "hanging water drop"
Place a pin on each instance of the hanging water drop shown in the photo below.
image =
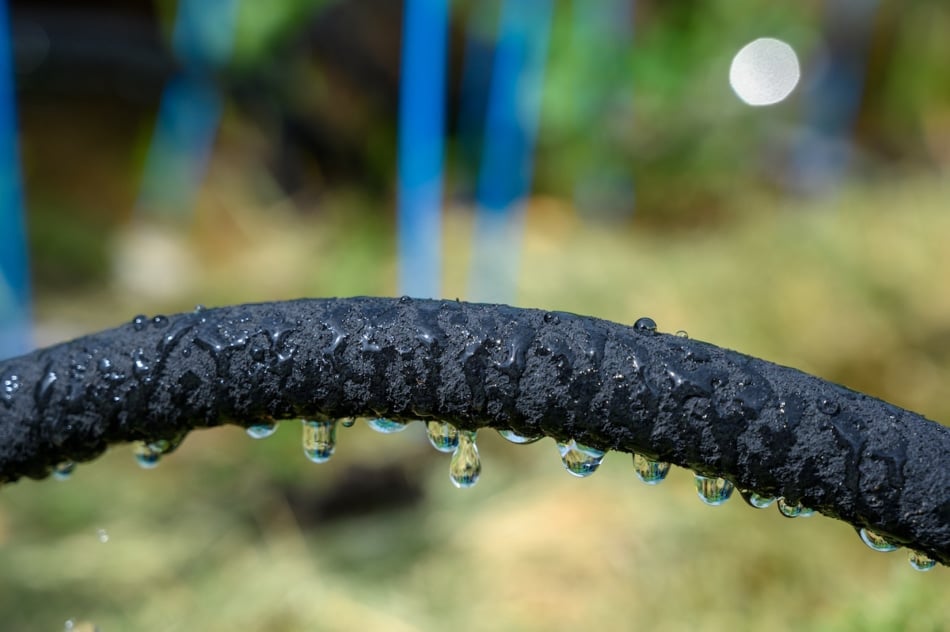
(921, 561)
(645, 325)
(348, 422)
(147, 455)
(713, 491)
(319, 440)
(756, 500)
(796, 510)
(262, 430)
(466, 466)
(443, 436)
(64, 470)
(649, 471)
(514, 437)
(876, 541)
(580, 460)
(386, 426)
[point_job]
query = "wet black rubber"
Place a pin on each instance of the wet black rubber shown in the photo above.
(767, 428)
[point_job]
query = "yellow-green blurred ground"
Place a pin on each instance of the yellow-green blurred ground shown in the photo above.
(851, 288)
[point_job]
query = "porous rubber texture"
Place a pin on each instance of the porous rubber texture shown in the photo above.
(767, 428)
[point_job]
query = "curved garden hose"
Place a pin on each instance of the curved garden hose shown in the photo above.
(593, 385)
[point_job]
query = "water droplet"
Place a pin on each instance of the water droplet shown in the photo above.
(645, 325)
(649, 471)
(69, 625)
(713, 491)
(828, 406)
(921, 561)
(348, 422)
(262, 430)
(386, 426)
(579, 460)
(514, 437)
(796, 510)
(147, 455)
(64, 470)
(319, 440)
(876, 541)
(466, 466)
(102, 535)
(756, 500)
(443, 436)
(682, 333)
(139, 322)
(160, 321)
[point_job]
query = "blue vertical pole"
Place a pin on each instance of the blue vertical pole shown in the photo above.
(421, 146)
(191, 107)
(14, 266)
(507, 155)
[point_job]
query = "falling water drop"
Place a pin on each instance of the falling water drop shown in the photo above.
(386, 426)
(645, 325)
(649, 471)
(146, 455)
(713, 491)
(756, 500)
(466, 466)
(262, 430)
(319, 440)
(796, 510)
(514, 437)
(876, 541)
(64, 470)
(348, 422)
(921, 561)
(579, 460)
(443, 436)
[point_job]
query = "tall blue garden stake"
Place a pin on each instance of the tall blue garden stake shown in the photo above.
(421, 146)
(15, 336)
(507, 155)
(190, 109)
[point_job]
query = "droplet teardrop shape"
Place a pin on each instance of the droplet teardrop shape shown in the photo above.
(649, 471)
(757, 501)
(876, 541)
(262, 430)
(713, 491)
(64, 470)
(319, 439)
(386, 426)
(578, 459)
(793, 510)
(921, 561)
(443, 436)
(466, 465)
(514, 437)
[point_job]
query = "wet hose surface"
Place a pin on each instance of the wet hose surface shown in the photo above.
(767, 428)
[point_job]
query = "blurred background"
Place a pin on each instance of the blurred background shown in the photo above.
(784, 196)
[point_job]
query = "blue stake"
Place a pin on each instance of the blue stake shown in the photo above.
(191, 107)
(507, 155)
(15, 336)
(421, 146)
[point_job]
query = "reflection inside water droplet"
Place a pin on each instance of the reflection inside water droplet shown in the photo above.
(146, 455)
(793, 510)
(64, 470)
(348, 422)
(713, 491)
(921, 561)
(645, 325)
(466, 466)
(514, 437)
(319, 440)
(649, 471)
(386, 426)
(443, 436)
(876, 541)
(757, 500)
(580, 460)
(261, 431)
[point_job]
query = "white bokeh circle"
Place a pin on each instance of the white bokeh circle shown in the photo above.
(764, 71)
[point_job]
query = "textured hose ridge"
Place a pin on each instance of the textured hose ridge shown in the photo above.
(769, 429)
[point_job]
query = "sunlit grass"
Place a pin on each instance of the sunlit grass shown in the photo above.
(221, 536)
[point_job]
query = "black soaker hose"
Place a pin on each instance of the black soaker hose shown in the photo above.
(767, 428)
